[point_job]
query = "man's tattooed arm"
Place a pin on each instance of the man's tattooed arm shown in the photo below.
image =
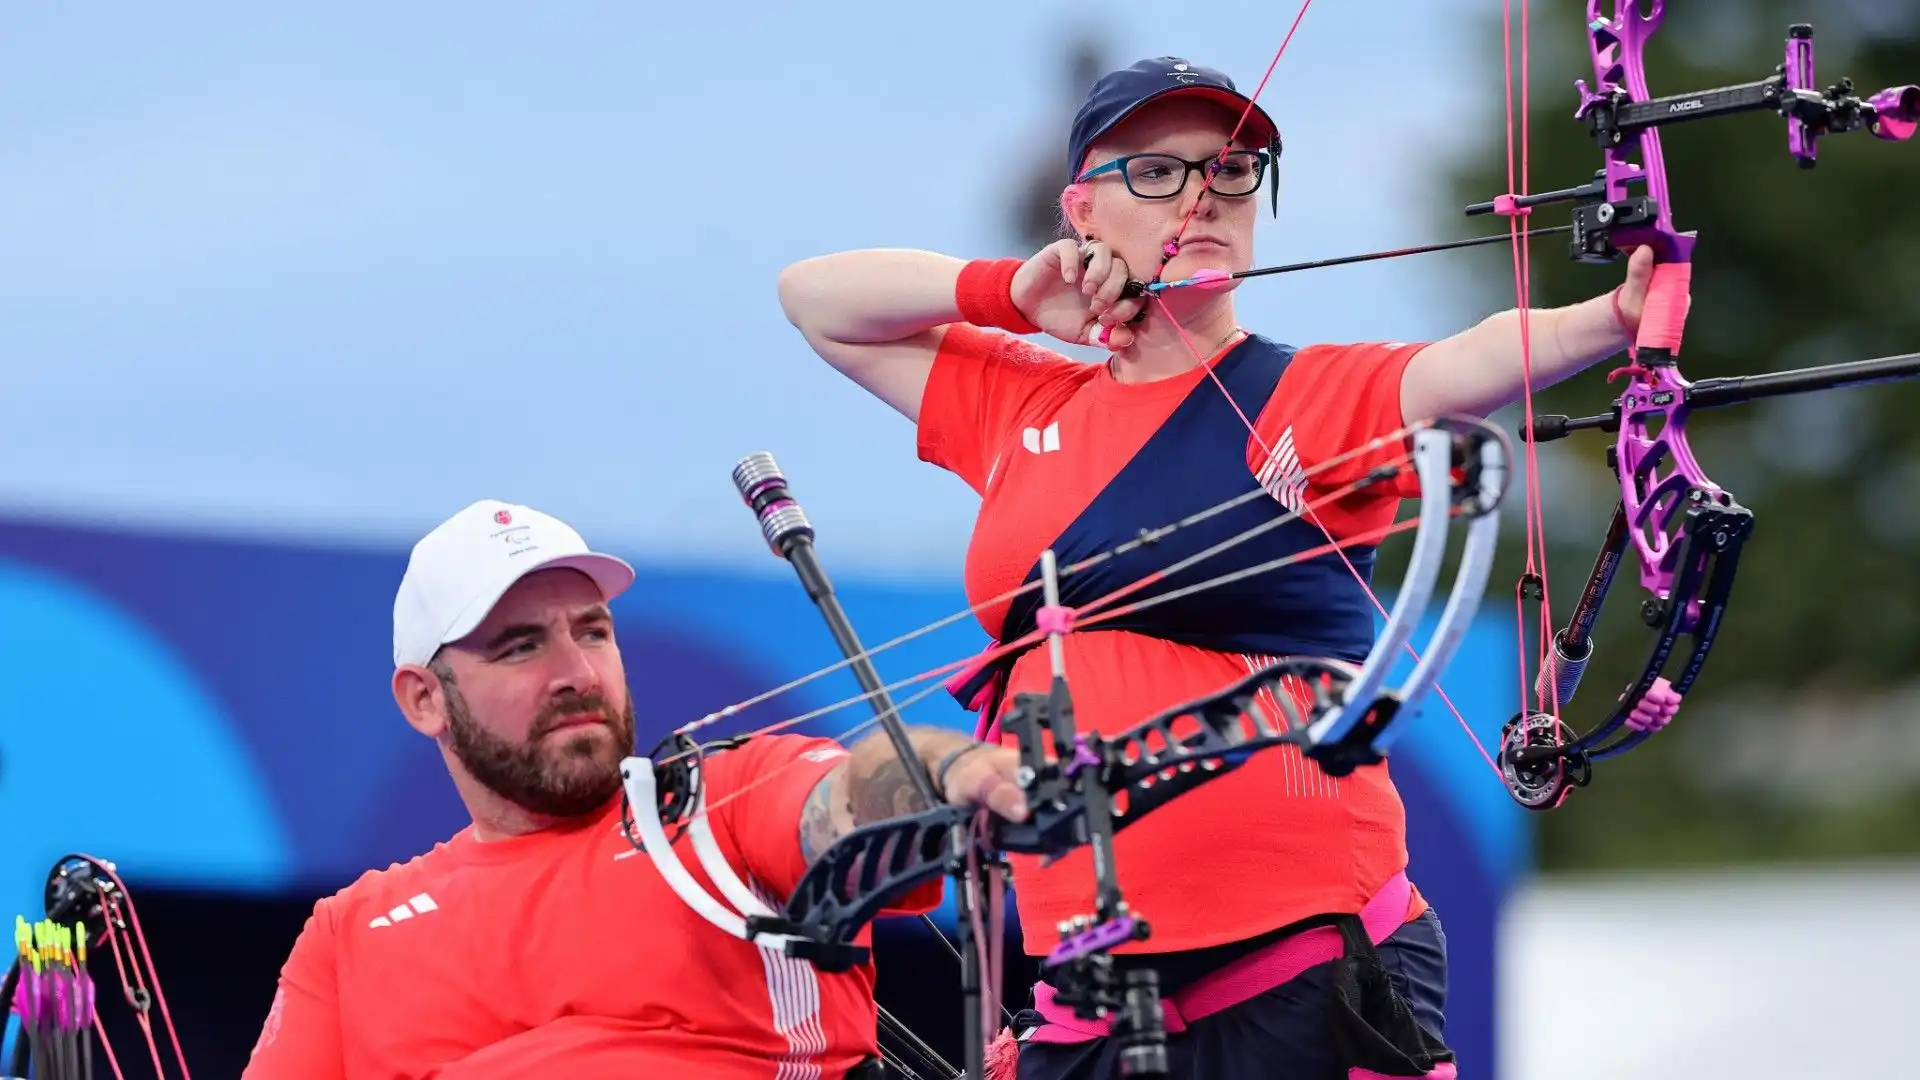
(820, 826)
(870, 785)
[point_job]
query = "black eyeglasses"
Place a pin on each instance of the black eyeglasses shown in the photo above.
(1162, 176)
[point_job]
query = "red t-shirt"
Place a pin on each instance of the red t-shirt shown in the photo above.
(563, 953)
(1041, 437)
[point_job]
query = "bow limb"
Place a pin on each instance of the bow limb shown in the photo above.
(641, 787)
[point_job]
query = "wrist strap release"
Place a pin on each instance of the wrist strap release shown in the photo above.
(946, 763)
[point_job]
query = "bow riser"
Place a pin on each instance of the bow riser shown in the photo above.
(1617, 44)
(1660, 478)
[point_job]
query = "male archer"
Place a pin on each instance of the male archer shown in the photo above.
(539, 941)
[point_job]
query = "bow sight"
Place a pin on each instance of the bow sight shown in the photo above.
(1617, 115)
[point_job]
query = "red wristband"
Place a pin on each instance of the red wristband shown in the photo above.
(984, 295)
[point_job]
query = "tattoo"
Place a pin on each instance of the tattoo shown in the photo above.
(885, 792)
(817, 828)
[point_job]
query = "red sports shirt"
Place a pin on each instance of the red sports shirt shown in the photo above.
(563, 953)
(1065, 456)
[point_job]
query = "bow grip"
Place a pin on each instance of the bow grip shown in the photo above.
(1664, 318)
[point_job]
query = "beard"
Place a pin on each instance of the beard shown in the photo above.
(563, 778)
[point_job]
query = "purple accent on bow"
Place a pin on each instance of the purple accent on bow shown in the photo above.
(1083, 756)
(1798, 70)
(1101, 938)
(1657, 472)
(1896, 112)
(1617, 43)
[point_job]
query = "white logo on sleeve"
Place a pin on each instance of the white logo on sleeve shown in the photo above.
(417, 905)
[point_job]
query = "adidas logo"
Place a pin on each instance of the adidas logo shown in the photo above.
(418, 905)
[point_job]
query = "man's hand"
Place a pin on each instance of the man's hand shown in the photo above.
(872, 784)
(985, 775)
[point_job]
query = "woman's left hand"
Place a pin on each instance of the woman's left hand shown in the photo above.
(1630, 300)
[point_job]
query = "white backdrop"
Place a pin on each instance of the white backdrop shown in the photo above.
(1787, 975)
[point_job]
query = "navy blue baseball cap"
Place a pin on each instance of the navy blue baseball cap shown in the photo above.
(1119, 94)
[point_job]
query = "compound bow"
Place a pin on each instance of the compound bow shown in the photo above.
(1082, 788)
(1686, 531)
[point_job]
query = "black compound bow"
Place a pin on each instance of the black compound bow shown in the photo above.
(1082, 788)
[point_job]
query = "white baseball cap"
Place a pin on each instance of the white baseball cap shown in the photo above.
(461, 569)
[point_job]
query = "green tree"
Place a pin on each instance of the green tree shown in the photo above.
(1794, 267)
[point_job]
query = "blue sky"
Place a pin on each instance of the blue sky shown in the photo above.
(333, 273)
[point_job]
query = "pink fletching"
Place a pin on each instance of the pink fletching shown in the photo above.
(62, 990)
(1210, 279)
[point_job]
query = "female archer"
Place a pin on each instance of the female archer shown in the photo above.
(1188, 411)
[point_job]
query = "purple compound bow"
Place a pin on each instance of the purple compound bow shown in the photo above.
(1685, 530)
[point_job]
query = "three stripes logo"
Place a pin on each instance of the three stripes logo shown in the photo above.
(417, 905)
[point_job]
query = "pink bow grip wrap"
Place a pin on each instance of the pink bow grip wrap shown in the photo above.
(1664, 319)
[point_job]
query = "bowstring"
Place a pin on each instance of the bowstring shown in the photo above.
(927, 1056)
(1541, 690)
(1145, 538)
(1092, 615)
(1314, 519)
(122, 943)
(990, 959)
(1172, 248)
(1084, 616)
